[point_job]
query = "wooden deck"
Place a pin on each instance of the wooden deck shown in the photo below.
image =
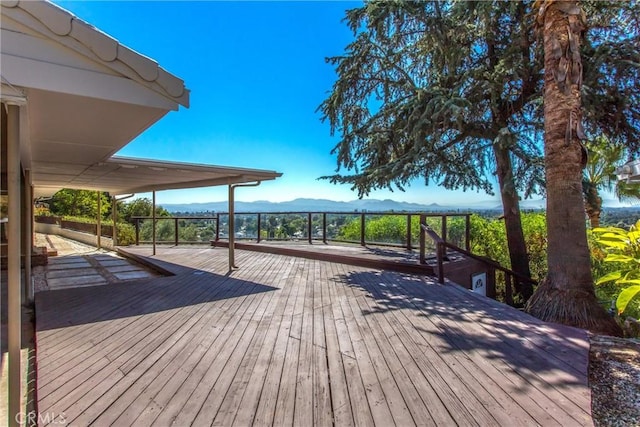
(295, 341)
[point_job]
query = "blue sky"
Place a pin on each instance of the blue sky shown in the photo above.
(257, 74)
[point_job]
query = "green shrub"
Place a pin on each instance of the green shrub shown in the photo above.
(126, 234)
(622, 249)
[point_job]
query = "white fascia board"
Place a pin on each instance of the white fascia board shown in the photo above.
(31, 73)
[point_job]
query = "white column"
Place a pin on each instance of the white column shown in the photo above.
(28, 234)
(99, 222)
(13, 260)
(153, 221)
(232, 221)
(114, 216)
(232, 228)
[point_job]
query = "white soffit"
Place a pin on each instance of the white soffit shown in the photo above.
(125, 175)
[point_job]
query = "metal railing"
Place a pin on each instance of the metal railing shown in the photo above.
(312, 227)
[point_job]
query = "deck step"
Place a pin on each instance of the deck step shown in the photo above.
(403, 266)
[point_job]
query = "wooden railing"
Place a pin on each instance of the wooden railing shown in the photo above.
(315, 226)
(442, 248)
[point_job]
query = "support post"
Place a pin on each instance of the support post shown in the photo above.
(99, 222)
(114, 216)
(217, 226)
(28, 235)
(362, 229)
(232, 228)
(175, 231)
(309, 218)
(13, 263)
(232, 222)
(137, 231)
(153, 221)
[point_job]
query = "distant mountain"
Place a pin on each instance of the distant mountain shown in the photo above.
(307, 205)
(370, 205)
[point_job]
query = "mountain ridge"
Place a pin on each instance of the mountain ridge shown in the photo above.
(325, 205)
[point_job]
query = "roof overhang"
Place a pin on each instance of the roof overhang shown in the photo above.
(124, 175)
(83, 96)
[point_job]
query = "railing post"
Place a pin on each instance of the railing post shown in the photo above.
(362, 229)
(175, 231)
(444, 228)
(259, 227)
(324, 227)
(217, 226)
(137, 231)
(508, 294)
(440, 249)
(423, 221)
(408, 232)
(467, 233)
(309, 226)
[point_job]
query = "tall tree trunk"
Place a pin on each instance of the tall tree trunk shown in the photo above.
(511, 208)
(567, 294)
(592, 203)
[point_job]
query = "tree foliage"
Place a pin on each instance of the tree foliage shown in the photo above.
(408, 104)
(611, 71)
(79, 203)
(140, 207)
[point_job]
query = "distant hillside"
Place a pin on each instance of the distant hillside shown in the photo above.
(306, 205)
(620, 215)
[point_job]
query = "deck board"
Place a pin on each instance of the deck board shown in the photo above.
(300, 341)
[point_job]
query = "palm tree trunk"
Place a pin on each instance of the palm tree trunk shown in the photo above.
(594, 218)
(567, 294)
(592, 203)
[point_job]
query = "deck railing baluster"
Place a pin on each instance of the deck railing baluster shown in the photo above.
(259, 228)
(324, 227)
(409, 247)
